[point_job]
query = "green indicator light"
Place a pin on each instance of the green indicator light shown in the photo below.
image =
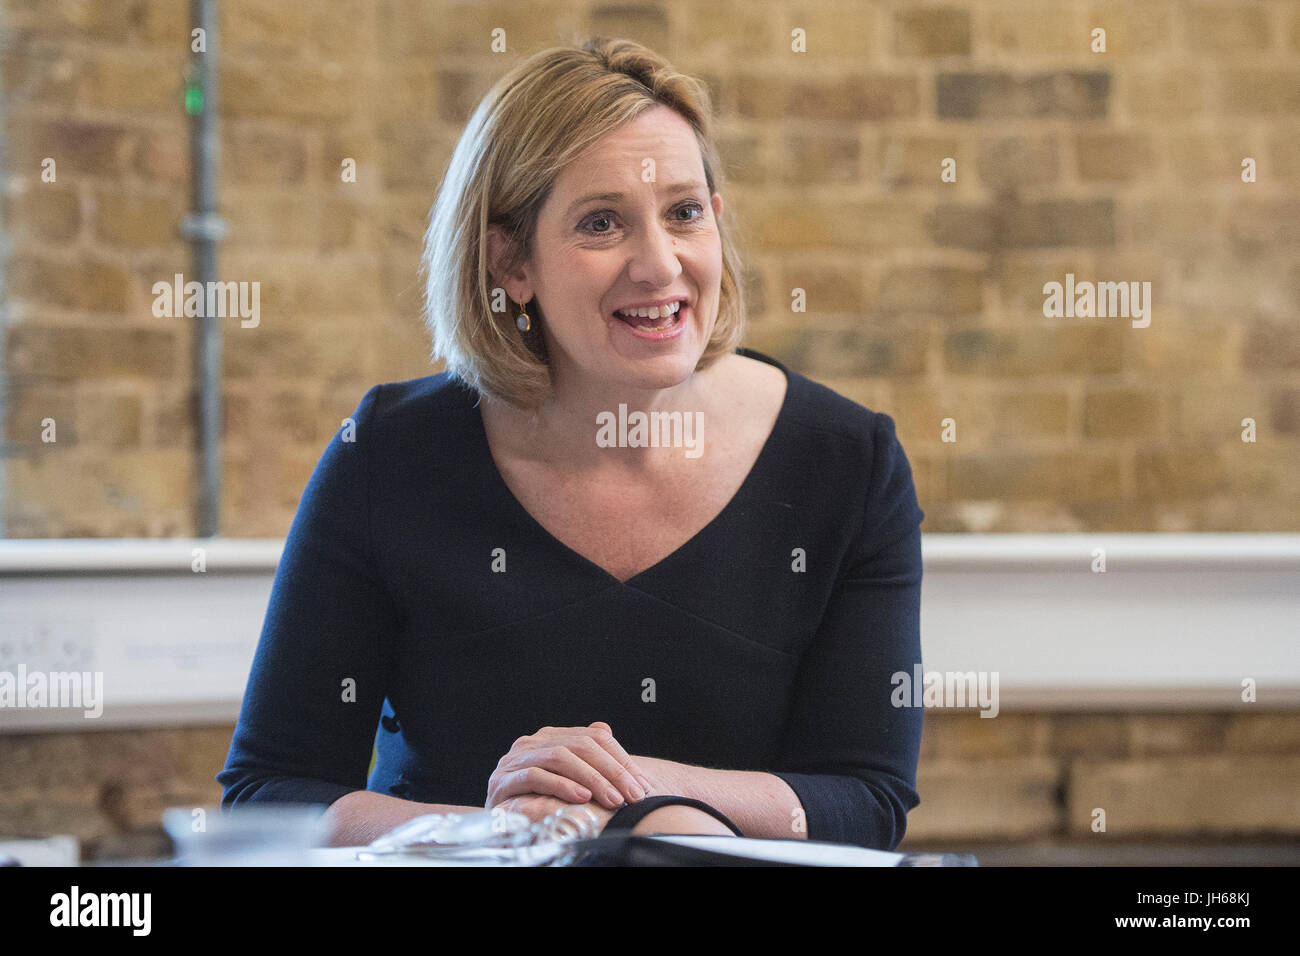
(193, 100)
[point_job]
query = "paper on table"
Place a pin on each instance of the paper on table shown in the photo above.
(788, 851)
(779, 851)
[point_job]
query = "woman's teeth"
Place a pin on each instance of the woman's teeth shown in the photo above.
(660, 317)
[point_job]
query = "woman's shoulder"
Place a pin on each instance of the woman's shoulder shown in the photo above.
(817, 408)
(840, 447)
(401, 404)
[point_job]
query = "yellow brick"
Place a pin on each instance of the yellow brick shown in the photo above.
(50, 211)
(835, 28)
(1133, 29)
(1187, 223)
(804, 224)
(1028, 415)
(1018, 475)
(322, 91)
(827, 288)
(1226, 28)
(73, 810)
(1034, 29)
(967, 736)
(1161, 92)
(1073, 735)
(109, 420)
(1157, 734)
(1212, 411)
(916, 159)
(1165, 470)
(1014, 162)
(821, 157)
(1187, 795)
(725, 30)
(138, 219)
(1124, 413)
(922, 408)
(1256, 92)
(129, 82)
(1251, 731)
(1114, 157)
(940, 31)
(987, 798)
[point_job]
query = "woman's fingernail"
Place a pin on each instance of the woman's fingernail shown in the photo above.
(637, 793)
(614, 797)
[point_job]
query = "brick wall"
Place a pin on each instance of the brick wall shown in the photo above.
(924, 300)
(1017, 779)
(1023, 777)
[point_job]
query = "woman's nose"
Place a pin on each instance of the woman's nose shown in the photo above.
(654, 257)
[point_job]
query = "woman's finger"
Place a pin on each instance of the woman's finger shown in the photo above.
(597, 746)
(574, 759)
(604, 735)
(536, 780)
(617, 773)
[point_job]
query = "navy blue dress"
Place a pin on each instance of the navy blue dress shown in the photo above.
(770, 637)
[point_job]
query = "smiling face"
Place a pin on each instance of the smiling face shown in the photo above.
(606, 240)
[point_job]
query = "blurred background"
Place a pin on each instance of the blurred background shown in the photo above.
(1170, 155)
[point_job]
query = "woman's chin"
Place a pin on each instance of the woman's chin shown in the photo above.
(646, 377)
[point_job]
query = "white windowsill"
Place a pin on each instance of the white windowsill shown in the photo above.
(1176, 622)
(942, 552)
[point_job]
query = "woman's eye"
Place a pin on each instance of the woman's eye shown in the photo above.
(592, 223)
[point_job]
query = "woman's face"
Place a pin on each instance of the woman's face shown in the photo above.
(608, 239)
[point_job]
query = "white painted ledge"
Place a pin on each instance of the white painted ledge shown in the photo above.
(942, 552)
(983, 552)
(73, 555)
(1176, 622)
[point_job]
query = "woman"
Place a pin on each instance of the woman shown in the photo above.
(524, 595)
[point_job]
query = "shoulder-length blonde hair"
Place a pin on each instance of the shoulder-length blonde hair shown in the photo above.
(535, 120)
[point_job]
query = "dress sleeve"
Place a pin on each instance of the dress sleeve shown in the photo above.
(848, 754)
(319, 676)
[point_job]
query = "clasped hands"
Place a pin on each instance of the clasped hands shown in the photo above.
(562, 766)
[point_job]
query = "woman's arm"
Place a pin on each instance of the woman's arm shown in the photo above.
(850, 753)
(847, 771)
(762, 804)
(357, 818)
(321, 671)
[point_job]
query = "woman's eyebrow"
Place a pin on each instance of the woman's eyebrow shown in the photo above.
(671, 190)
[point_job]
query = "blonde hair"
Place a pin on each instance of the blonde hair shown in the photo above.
(534, 121)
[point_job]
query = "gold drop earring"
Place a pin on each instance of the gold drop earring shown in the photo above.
(522, 320)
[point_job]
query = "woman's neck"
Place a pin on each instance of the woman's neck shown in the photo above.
(565, 426)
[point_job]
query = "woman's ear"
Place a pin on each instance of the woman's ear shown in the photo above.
(499, 252)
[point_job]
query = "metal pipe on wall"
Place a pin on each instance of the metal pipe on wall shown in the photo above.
(204, 227)
(5, 252)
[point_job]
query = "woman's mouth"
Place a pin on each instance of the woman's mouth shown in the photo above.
(657, 323)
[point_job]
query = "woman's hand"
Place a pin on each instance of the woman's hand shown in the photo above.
(572, 764)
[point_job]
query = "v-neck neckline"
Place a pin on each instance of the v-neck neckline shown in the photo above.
(526, 516)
